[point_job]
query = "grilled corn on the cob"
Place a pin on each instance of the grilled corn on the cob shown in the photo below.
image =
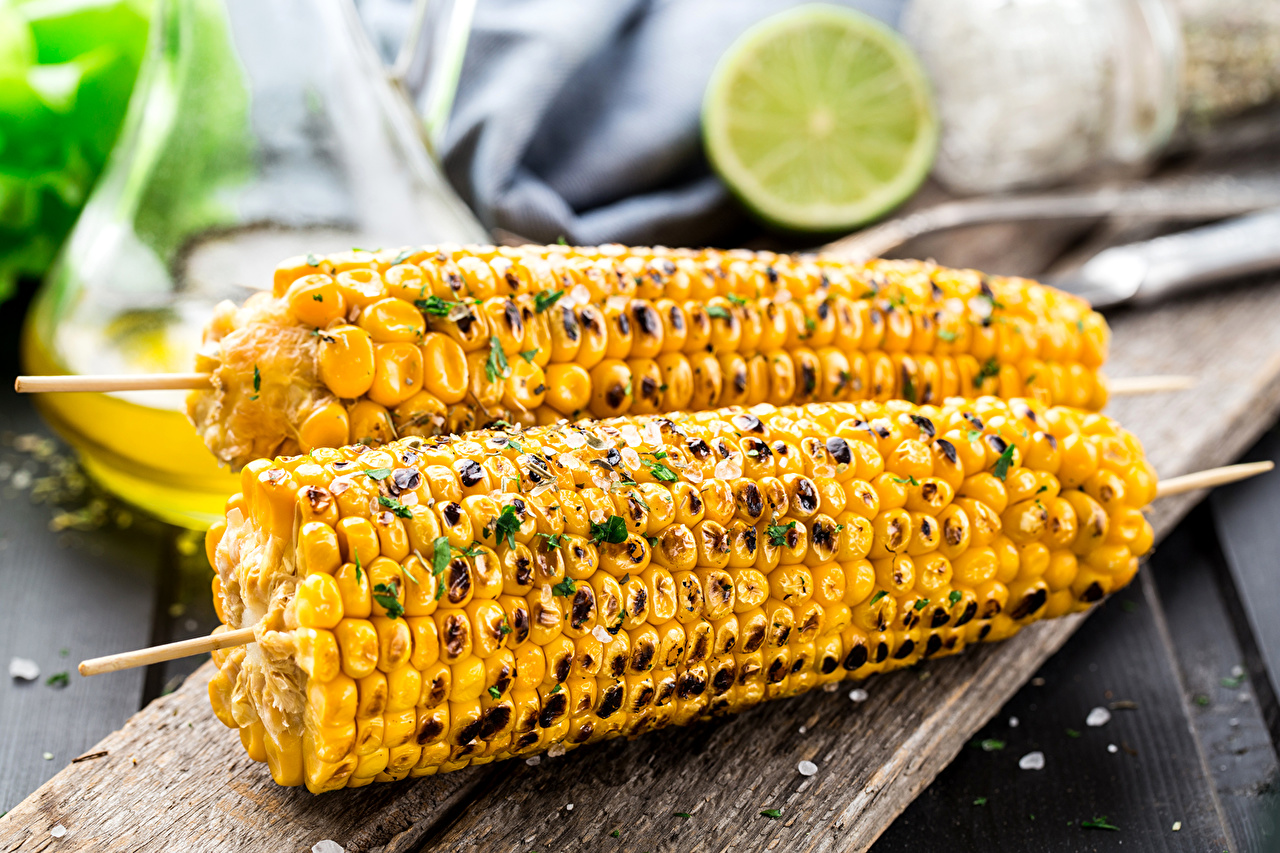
(368, 347)
(441, 602)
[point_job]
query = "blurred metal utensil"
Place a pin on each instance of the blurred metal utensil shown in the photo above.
(1187, 199)
(1153, 269)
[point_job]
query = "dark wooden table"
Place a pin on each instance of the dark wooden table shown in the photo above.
(1188, 658)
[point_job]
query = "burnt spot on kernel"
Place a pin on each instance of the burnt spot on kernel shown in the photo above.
(974, 420)
(996, 443)
(570, 323)
(777, 671)
(642, 698)
(982, 634)
(616, 394)
(649, 389)
(1093, 592)
(695, 503)
(840, 450)
(452, 513)
(952, 531)
(430, 731)
(857, 657)
(948, 450)
(940, 618)
(829, 664)
(494, 720)
(404, 480)
(823, 535)
(722, 680)
(747, 422)
(458, 579)
(563, 665)
(520, 624)
(610, 701)
(642, 656)
(753, 639)
(524, 571)
(699, 651)
(1029, 604)
(699, 448)
(618, 665)
(553, 708)
(676, 316)
(925, 425)
(750, 499)
(318, 499)
(806, 495)
(528, 739)
(690, 684)
(882, 651)
(469, 732)
(908, 646)
(990, 608)
(584, 604)
(970, 611)
(808, 377)
(932, 645)
(646, 318)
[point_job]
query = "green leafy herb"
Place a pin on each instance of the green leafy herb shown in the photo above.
(553, 540)
(809, 325)
(613, 531)
(257, 382)
(504, 628)
(545, 299)
(440, 554)
(777, 533)
(979, 801)
(318, 297)
(909, 388)
(395, 506)
(659, 471)
(1042, 489)
(388, 595)
(312, 261)
(377, 473)
(972, 434)
(879, 595)
(921, 603)
(561, 241)
(404, 255)
(1202, 700)
(1030, 379)
(435, 306)
(495, 692)
(528, 354)
(1072, 733)
(991, 745)
(615, 834)
(511, 445)
(58, 679)
(772, 814)
(1001, 468)
(507, 525)
(555, 689)
(990, 369)
(905, 480)
(682, 814)
(622, 581)
(955, 595)
(359, 571)
(565, 588)
(946, 335)
(1099, 823)
(495, 366)
(718, 311)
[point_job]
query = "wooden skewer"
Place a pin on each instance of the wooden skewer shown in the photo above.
(1128, 385)
(118, 382)
(1121, 387)
(169, 651)
(243, 636)
(1212, 477)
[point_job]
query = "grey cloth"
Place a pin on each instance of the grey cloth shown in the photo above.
(581, 118)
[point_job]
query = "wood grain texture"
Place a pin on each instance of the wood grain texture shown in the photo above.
(193, 786)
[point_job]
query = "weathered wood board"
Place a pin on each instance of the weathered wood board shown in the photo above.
(192, 788)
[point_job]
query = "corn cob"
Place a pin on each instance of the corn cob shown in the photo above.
(368, 347)
(442, 602)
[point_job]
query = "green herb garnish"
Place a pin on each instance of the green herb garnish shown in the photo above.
(545, 299)
(507, 525)
(879, 595)
(495, 366)
(495, 692)
(564, 589)
(1001, 468)
(395, 506)
(772, 814)
(440, 554)
(659, 471)
(377, 473)
(58, 679)
(955, 595)
(613, 531)
(528, 354)
(1099, 823)
(777, 533)
(388, 595)
(947, 335)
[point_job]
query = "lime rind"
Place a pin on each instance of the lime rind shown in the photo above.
(869, 130)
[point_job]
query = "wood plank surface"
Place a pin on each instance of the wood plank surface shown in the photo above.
(193, 789)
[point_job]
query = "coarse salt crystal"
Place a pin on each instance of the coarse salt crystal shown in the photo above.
(804, 729)
(568, 807)
(574, 439)
(1098, 717)
(48, 756)
(630, 435)
(327, 846)
(729, 469)
(1112, 748)
(1177, 825)
(58, 831)
(534, 760)
(542, 489)
(1013, 722)
(831, 687)
(602, 634)
(652, 434)
(24, 668)
(556, 751)
(857, 694)
(1032, 761)
(807, 768)
(692, 475)
(630, 458)
(981, 306)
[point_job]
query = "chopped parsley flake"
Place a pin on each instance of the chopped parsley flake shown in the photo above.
(318, 297)
(718, 311)
(395, 506)
(682, 814)
(955, 595)
(495, 692)
(1001, 468)
(1099, 823)
(546, 299)
(435, 306)
(991, 745)
(879, 595)
(528, 354)
(921, 603)
(440, 555)
(257, 382)
(613, 531)
(565, 588)
(507, 525)
(777, 533)
(359, 571)
(313, 261)
(979, 801)
(58, 679)
(555, 689)
(947, 335)
(772, 814)
(496, 366)
(659, 471)
(553, 540)
(989, 369)
(1072, 733)
(905, 480)
(388, 595)
(377, 473)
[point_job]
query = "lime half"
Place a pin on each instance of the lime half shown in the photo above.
(820, 119)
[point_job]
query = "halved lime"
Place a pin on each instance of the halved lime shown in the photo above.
(820, 119)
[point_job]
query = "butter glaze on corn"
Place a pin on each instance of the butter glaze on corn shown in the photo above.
(368, 347)
(760, 553)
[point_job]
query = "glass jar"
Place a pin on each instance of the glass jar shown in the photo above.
(259, 130)
(1035, 92)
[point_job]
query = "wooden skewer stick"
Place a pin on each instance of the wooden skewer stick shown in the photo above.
(1126, 386)
(169, 651)
(119, 382)
(242, 636)
(1122, 387)
(1212, 477)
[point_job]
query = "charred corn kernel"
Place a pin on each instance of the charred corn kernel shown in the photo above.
(779, 329)
(455, 600)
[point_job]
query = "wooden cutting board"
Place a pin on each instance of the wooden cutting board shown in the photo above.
(174, 779)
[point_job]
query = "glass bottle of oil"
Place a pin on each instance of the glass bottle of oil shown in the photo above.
(259, 130)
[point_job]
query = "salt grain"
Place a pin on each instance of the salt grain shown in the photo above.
(24, 669)
(804, 729)
(857, 694)
(1032, 761)
(831, 687)
(630, 458)
(1112, 748)
(729, 469)
(1233, 722)
(568, 807)
(58, 831)
(1013, 722)
(807, 768)
(1177, 825)
(602, 634)
(533, 761)
(556, 751)
(48, 756)
(574, 439)
(652, 434)
(326, 846)
(1098, 717)
(630, 435)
